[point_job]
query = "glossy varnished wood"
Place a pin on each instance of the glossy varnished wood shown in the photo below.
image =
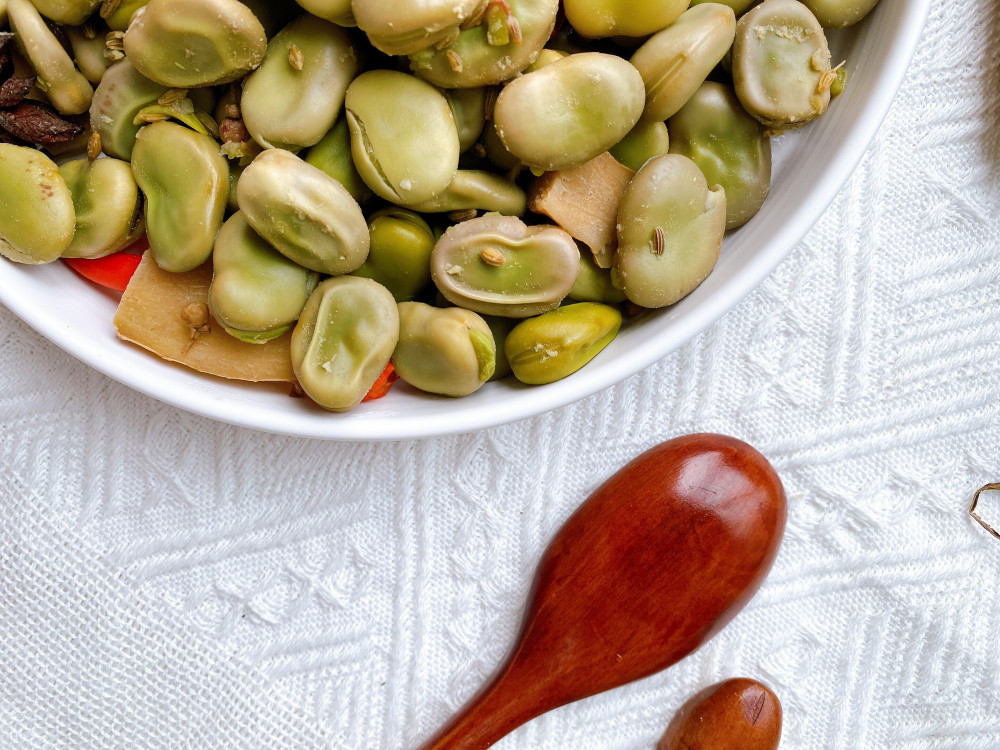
(738, 714)
(654, 563)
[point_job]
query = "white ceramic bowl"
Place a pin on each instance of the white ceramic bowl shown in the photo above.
(77, 316)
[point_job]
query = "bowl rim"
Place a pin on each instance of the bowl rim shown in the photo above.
(375, 423)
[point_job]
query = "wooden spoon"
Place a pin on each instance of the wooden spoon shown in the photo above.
(654, 563)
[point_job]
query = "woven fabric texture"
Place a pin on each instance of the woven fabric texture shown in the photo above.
(171, 582)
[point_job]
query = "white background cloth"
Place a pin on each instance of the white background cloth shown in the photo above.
(170, 582)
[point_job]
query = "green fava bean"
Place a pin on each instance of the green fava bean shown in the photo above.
(69, 12)
(65, 86)
(343, 340)
(550, 347)
(292, 100)
(475, 189)
(186, 184)
(120, 17)
(595, 284)
(677, 60)
(400, 254)
(36, 214)
(122, 92)
(569, 111)
(399, 27)
(603, 18)
(500, 328)
(468, 106)
(191, 43)
(497, 265)
(256, 292)
(447, 351)
(670, 229)
(728, 145)
(107, 204)
(333, 155)
(739, 6)
(304, 213)
(836, 14)
(403, 136)
(481, 57)
(338, 11)
(781, 64)
(89, 53)
(646, 140)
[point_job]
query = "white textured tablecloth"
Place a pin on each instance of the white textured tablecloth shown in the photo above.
(170, 582)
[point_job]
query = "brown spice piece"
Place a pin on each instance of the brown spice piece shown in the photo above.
(233, 130)
(94, 146)
(584, 201)
(6, 53)
(38, 123)
(13, 91)
(151, 315)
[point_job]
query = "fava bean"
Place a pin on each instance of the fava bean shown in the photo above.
(647, 139)
(107, 204)
(840, 13)
(121, 94)
(595, 284)
(403, 136)
(677, 60)
(670, 229)
(497, 265)
(189, 43)
(569, 111)
(292, 100)
(602, 18)
(781, 64)
(400, 254)
(186, 184)
(343, 340)
(728, 145)
(447, 351)
(304, 213)
(479, 190)
(479, 57)
(557, 344)
(36, 214)
(401, 27)
(333, 155)
(256, 292)
(69, 12)
(338, 11)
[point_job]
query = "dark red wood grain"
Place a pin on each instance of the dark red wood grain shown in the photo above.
(738, 714)
(654, 563)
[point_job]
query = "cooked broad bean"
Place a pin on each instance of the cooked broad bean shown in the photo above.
(781, 64)
(89, 52)
(839, 13)
(468, 106)
(256, 293)
(36, 214)
(333, 155)
(569, 111)
(557, 344)
(400, 254)
(488, 53)
(303, 212)
(108, 206)
(497, 265)
(69, 12)
(647, 139)
(343, 340)
(403, 136)
(121, 94)
(739, 6)
(119, 18)
(473, 188)
(292, 100)
(338, 11)
(190, 43)
(448, 351)
(602, 18)
(670, 229)
(728, 145)
(595, 284)
(186, 184)
(676, 61)
(65, 86)
(401, 27)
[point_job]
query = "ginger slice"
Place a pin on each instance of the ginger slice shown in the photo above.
(156, 313)
(584, 201)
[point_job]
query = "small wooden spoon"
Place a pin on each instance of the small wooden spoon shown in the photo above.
(739, 714)
(654, 563)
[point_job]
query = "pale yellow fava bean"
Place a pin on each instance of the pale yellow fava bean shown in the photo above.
(37, 218)
(604, 18)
